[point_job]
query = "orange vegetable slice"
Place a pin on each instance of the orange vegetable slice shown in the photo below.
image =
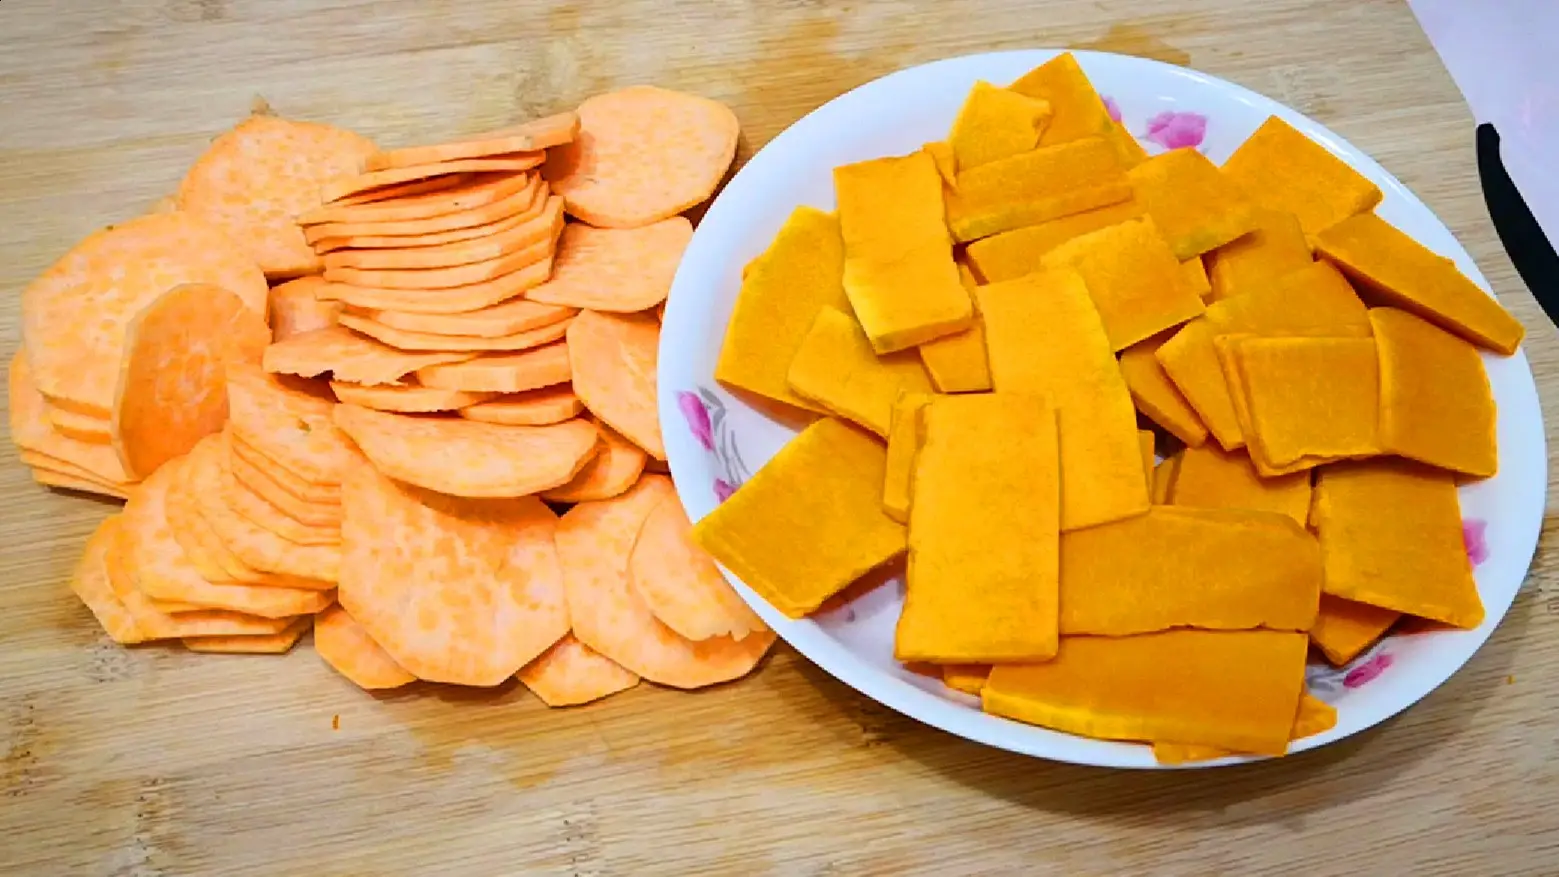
(516, 315)
(212, 559)
(343, 644)
(406, 399)
(466, 458)
(503, 372)
(89, 582)
(288, 421)
(537, 134)
(519, 237)
(278, 643)
(611, 269)
(571, 673)
(680, 583)
(30, 430)
(613, 470)
(87, 428)
(537, 249)
(455, 300)
(404, 339)
(487, 205)
(350, 357)
(251, 182)
(260, 511)
(296, 308)
(253, 461)
(455, 193)
(643, 154)
(341, 187)
(455, 590)
(530, 408)
(412, 189)
(612, 362)
(75, 481)
(265, 485)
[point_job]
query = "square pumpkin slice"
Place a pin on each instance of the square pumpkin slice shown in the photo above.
(1212, 478)
(984, 526)
(1436, 405)
(1391, 537)
(1310, 399)
(1344, 628)
(1036, 186)
(903, 446)
(1076, 107)
(1134, 278)
(1195, 207)
(1018, 252)
(956, 363)
(810, 522)
(1156, 396)
(1276, 246)
(835, 369)
(1284, 170)
(995, 123)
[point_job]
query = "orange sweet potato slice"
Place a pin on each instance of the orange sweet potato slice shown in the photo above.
(537, 134)
(613, 470)
(260, 511)
(89, 582)
(253, 463)
(369, 237)
(503, 372)
(157, 624)
(296, 308)
(435, 279)
(87, 428)
(287, 421)
(278, 643)
(405, 339)
(643, 154)
(342, 186)
(680, 583)
(78, 482)
(522, 236)
(595, 541)
(490, 201)
(466, 458)
(265, 485)
(343, 644)
(406, 399)
(607, 269)
(517, 315)
(30, 430)
(455, 590)
(455, 300)
(74, 316)
(207, 554)
(350, 357)
(571, 673)
(397, 191)
(530, 408)
(612, 361)
(251, 182)
(172, 388)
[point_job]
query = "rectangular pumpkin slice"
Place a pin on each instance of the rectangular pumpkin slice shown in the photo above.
(1397, 270)
(1045, 337)
(1018, 252)
(809, 522)
(836, 369)
(1212, 478)
(1036, 186)
(1134, 279)
(1238, 690)
(1219, 569)
(968, 678)
(782, 290)
(1195, 207)
(956, 363)
(1314, 296)
(1314, 716)
(1310, 399)
(1436, 405)
(1391, 537)
(1156, 396)
(983, 531)
(1284, 170)
(1191, 362)
(1273, 248)
(1345, 628)
(903, 445)
(1193, 273)
(898, 261)
(1164, 476)
(1076, 107)
(995, 123)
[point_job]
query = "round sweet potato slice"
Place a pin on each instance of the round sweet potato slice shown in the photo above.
(571, 673)
(539, 249)
(297, 308)
(89, 582)
(350, 357)
(519, 237)
(32, 432)
(615, 269)
(643, 154)
(250, 461)
(612, 363)
(288, 421)
(530, 408)
(614, 470)
(454, 300)
(403, 339)
(680, 583)
(278, 643)
(503, 372)
(253, 180)
(261, 512)
(494, 199)
(456, 590)
(343, 186)
(532, 136)
(82, 427)
(398, 191)
(517, 315)
(408, 399)
(343, 644)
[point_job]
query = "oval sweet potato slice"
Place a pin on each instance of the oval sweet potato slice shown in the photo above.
(398, 191)
(571, 673)
(615, 269)
(407, 399)
(251, 182)
(614, 470)
(538, 249)
(482, 205)
(595, 541)
(89, 582)
(31, 430)
(503, 372)
(519, 237)
(643, 154)
(532, 136)
(296, 308)
(75, 315)
(327, 245)
(172, 388)
(456, 590)
(680, 583)
(403, 339)
(77, 482)
(349, 356)
(257, 480)
(466, 458)
(612, 363)
(82, 427)
(343, 644)
(289, 422)
(251, 461)
(454, 300)
(261, 512)
(278, 643)
(341, 187)
(517, 315)
(530, 408)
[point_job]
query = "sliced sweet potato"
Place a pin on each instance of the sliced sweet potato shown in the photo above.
(680, 583)
(251, 182)
(404, 339)
(612, 362)
(571, 673)
(287, 421)
(517, 315)
(87, 428)
(343, 644)
(455, 300)
(537, 134)
(157, 624)
(278, 643)
(260, 511)
(350, 357)
(503, 372)
(466, 458)
(397, 191)
(491, 201)
(407, 398)
(342, 186)
(264, 483)
(595, 541)
(172, 389)
(74, 316)
(89, 582)
(613, 470)
(643, 154)
(455, 590)
(31, 431)
(447, 194)
(519, 237)
(78, 482)
(296, 308)
(252, 460)
(530, 408)
(376, 241)
(434, 279)
(607, 269)
(207, 554)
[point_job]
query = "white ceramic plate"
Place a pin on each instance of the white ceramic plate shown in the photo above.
(715, 441)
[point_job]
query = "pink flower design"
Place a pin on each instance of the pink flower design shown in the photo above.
(1374, 666)
(697, 417)
(1113, 108)
(1474, 531)
(723, 489)
(1173, 130)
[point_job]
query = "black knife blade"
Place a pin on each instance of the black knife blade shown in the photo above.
(1529, 249)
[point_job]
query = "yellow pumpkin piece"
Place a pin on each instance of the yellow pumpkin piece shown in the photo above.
(1156, 396)
(1134, 279)
(903, 444)
(1044, 337)
(1018, 252)
(1391, 536)
(1195, 207)
(945, 159)
(968, 678)
(1220, 569)
(800, 273)
(995, 123)
(1398, 270)
(1191, 363)
(1435, 402)
(956, 363)
(1345, 628)
(1237, 690)
(823, 491)
(1146, 440)
(1313, 297)
(1036, 186)
(1212, 478)
(983, 533)
(1310, 399)
(1276, 246)
(1078, 110)
(836, 369)
(898, 262)
(1314, 716)
(1283, 170)
(1130, 151)
(1194, 275)
(1164, 475)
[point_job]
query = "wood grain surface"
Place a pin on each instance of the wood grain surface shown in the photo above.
(151, 761)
